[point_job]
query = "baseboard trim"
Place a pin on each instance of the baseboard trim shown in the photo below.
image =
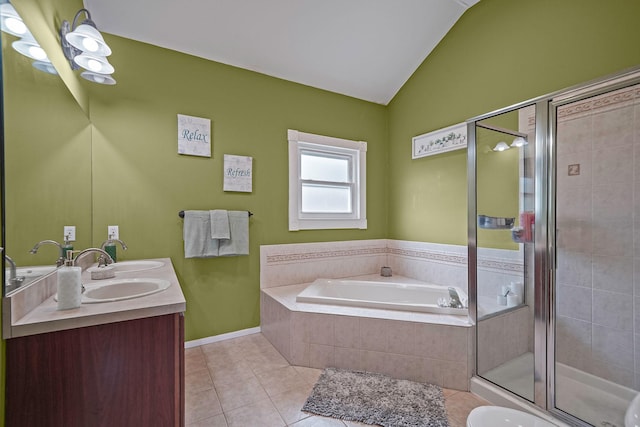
(221, 337)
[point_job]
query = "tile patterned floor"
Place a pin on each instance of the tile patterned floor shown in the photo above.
(245, 382)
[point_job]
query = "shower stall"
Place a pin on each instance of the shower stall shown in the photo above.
(554, 188)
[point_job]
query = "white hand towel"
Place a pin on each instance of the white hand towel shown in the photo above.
(197, 235)
(219, 224)
(238, 244)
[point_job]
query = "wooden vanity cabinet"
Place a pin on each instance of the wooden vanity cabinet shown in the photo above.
(121, 374)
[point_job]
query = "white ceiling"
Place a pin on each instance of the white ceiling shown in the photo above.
(362, 48)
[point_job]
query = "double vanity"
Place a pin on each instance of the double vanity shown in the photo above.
(118, 359)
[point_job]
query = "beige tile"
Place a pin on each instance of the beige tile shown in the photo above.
(277, 381)
(266, 360)
(355, 424)
(289, 404)
(231, 372)
(310, 375)
(299, 352)
(428, 341)
(235, 395)
(262, 413)
(460, 404)
(455, 375)
(201, 405)
(405, 367)
(217, 421)
(373, 334)
(321, 356)
(454, 346)
(317, 421)
(198, 380)
(348, 358)
(347, 332)
(194, 360)
(401, 337)
(320, 328)
(432, 371)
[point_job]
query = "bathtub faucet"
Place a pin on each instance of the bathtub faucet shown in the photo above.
(454, 299)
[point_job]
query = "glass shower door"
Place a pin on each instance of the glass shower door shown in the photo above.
(596, 314)
(504, 276)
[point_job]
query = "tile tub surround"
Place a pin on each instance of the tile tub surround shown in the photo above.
(421, 347)
(435, 263)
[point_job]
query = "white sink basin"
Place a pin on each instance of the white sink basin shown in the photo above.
(121, 289)
(136, 265)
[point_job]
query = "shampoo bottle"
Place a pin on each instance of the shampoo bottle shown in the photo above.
(66, 247)
(69, 284)
(110, 248)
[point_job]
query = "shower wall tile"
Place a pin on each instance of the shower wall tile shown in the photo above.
(573, 342)
(613, 310)
(616, 374)
(612, 165)
(576, 135)
(612, 237)
(574, 202)
(614, 128)
(575, 235)
(636, 320)
(613, 346)
(573, 301)
(613, 274)
(574, 268)
(613, 202)
(568, 182)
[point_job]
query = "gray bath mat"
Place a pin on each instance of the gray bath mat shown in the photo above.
(376, 399)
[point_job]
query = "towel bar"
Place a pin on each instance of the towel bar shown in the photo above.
(181, 214)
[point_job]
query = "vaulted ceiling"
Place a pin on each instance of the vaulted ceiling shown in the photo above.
(366, 49)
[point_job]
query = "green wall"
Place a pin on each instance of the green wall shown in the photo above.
(499, 53)
(140, 182)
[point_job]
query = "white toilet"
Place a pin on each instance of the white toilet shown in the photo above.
(497, 416)
(632, 416)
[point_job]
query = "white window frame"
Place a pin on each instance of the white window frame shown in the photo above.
(357, 151)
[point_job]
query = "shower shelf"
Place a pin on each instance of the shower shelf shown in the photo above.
(495, 222)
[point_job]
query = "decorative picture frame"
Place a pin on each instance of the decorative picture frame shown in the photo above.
(238, 173)
(194, 136)
(440, 141)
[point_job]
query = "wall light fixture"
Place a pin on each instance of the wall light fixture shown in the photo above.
(501, 146)
(84, 46)
(12, 23)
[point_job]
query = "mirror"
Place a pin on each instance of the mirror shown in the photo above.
(47, 165)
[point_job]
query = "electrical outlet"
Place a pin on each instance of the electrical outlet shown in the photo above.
(70, 233)
(112, 231)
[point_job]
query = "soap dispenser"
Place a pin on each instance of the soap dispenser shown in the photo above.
(69, 284)
(110, 248)
(66, 247)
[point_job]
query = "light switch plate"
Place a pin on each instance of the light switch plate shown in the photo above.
(70, 233)
(112, 230)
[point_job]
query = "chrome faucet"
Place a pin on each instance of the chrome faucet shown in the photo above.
(14, 280)
(103, 255)
(60, 259)
(101, 260)
(110, 240)
(454, 301)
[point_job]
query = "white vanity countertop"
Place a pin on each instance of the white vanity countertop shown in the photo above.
(45, 317)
